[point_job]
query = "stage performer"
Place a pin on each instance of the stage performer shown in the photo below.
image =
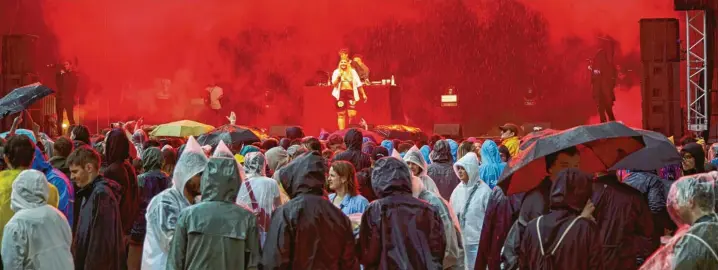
(347, 87)
(603, 81)
(357, 64)
(67, 81)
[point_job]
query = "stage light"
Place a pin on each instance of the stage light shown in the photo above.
(64, 125)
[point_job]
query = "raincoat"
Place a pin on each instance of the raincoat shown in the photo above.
(353, 140)
(277, 158)
(150, 183)
(653, 191)
(441, 169)
(164, 209)
(469, 201)
(416, 158)
(696, 150)
(697, 249)
(501, 212)
(512, 144)
(454, 254)
(265, 195)
(216, 233)
(7, 178)
(491, 165)
(561, 239)
(37, 236)
(60, 163)
(59, 180)
(398, 231)
(364, 182)
(454, 146)
(623, 220)
(117, 149)
(98, 242)
(308, 232)
(389, 145)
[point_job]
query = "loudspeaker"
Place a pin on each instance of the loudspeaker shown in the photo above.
(660, 41)
(661, 102)
(18, 54)
(684, 5)
(448, 130)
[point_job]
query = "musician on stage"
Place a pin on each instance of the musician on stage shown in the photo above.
(67, 81)
(347, 88)
(603, 81)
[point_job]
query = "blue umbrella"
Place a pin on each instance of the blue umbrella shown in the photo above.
(21, 98)
(658, 153)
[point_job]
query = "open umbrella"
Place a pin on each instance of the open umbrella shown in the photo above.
(21, 98)
(183, 128)
(531, 138)
(658, 153)
(364, 133)
(601, 146)
(231, 135)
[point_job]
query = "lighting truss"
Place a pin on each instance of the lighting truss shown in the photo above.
(696, 64)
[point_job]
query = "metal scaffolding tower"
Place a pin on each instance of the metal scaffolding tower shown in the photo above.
(696, 65)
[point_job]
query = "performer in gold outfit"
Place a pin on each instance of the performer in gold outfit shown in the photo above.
(347, 87)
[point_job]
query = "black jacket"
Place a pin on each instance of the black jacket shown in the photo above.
(653, 191)
(501, 212)
(398, 231)
(119, 169)
(150, 183)
(441, 169)
(353, 140)
(98, 242)
(308, 232)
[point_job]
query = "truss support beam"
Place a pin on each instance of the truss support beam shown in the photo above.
(696, 70)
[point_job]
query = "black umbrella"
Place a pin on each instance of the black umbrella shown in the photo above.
(21, 98)
(658, 153)
(601, 146)
(231, 135)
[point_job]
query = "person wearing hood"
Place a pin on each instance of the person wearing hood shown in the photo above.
(308, 232)
(623, 219)
(425, 152)
(399, 231)
(694, 159)
(441, 169)
(98, 241)
(277, 158)
(216, 233)
(501, 213)
(653, 191)
(469, 201)
(151, 182)
(417, 165)
(60, 181)
(563, 239)
(259, 193)
(119, 169)
(164, 209)
(37, 236)
(389, 145)
(353, 140)
(139, 137)
(454, 254)
(19, 153)
(491, 164)
(692, 202)
(454, 147)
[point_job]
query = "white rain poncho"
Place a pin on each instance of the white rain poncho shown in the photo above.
(415, 156)
(38, 235)
(165, 208)
(265, 191)
(469, 202)
(223, 151)
(692, 246)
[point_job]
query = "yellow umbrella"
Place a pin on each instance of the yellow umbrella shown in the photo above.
(183, 128)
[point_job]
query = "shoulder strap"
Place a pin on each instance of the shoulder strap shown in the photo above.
(538, 231)
(255, 205)
(715, 256)
(560, 239)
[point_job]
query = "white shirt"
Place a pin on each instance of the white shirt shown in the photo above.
(356, 84)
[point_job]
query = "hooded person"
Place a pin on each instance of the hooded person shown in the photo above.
(164, 209)
(441, 169)
(389, 145)
(308, 232)
(417, 166)
(454, 254)
(653, 191)
(277, 158)
(353, 140)
(491, 165)
(454, 146)
(469, 201)
(151, 182)
(259, 193)
(60, 181)
(425, 152)
(119, 169)
(216, 233)
(139, 137)
(694, 159)
(37, 236)
(399, 231)
(562, 239)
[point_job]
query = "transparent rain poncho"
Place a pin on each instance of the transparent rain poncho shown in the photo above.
(265, 196)
(223, 151)
(415, 156)
(692, 240)
(164, 209)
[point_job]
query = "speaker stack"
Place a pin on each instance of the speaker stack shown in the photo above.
(17, 68)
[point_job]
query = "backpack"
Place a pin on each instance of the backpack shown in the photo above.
(263, 219)
(548, 261)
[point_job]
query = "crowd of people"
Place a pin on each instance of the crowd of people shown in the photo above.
(120, 200)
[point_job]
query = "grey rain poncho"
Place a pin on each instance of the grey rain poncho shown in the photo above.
(415, 156)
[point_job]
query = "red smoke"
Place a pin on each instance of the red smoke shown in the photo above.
(491, 50)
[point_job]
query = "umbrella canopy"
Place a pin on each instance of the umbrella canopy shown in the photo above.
(232, 135)
(21, 98)
(658, 153)
(364, 133)
(400, 132)
(531, 138)
(183, 128)
(601, 146)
